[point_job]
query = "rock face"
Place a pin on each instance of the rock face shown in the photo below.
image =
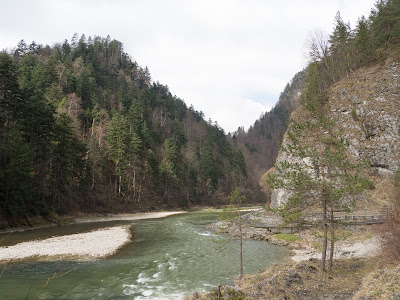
(366, 107)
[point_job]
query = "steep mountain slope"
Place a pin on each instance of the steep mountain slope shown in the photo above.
(260, 144)
(350, 100)
(366, 108)
(84, 127)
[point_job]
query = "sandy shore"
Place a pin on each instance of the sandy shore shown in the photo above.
(89, 245)
(128, 217)
(366, 248)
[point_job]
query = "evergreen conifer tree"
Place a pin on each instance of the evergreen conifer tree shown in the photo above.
(318, 172)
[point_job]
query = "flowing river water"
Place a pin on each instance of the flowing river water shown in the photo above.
(168, 258)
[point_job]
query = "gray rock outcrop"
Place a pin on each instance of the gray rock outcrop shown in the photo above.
(366, 108)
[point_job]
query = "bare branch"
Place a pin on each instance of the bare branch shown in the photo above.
(49, 280)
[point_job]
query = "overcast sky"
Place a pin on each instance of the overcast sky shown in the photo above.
(229, 58)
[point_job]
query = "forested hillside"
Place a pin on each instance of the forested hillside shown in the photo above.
(260, 143)
(85, 128)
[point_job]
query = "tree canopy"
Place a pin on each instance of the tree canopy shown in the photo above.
(83, 126)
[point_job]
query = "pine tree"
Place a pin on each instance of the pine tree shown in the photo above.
(318, 172)
(67, 163)
(9, 91)
(208, 166)
(362, 41)
(385, 26)
(169, 165)
(235, 200)
(232, 214)
(16, 179)
(118, 141)
(340, 48)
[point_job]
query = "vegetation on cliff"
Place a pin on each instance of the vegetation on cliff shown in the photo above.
(315, 168)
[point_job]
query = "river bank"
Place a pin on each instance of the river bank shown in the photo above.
(357, 260)
(359, 241)
(98, 243)
(55, 220)
(348, 279)
(90, 245)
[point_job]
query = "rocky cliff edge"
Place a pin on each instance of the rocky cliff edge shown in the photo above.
(366, 106)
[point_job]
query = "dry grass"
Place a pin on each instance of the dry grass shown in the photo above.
(302, 281)
(390, 234)
(263, 183)
(382, 194)
(381, 284)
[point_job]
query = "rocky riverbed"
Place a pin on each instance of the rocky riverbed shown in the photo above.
(89, 245)
(261, 226)
(98, 243)
(355, 258)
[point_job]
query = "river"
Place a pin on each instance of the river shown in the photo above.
(168, 258)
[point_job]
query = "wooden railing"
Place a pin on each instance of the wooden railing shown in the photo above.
(359, 216)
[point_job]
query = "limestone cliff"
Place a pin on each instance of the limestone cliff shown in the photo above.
(366, 106)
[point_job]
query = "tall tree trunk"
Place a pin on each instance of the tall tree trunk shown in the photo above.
(134, 184)
(325, 207)
(119, 184)
(115, 187)
(140, 191)
(93, 175)
(241, 247)
(332, 238)
(325, 240)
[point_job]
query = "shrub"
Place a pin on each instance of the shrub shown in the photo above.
(390, 231)
(287, 237)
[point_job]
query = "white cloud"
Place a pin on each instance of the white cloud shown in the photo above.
(229, 58)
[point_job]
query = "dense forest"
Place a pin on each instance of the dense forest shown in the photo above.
(84, 127)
